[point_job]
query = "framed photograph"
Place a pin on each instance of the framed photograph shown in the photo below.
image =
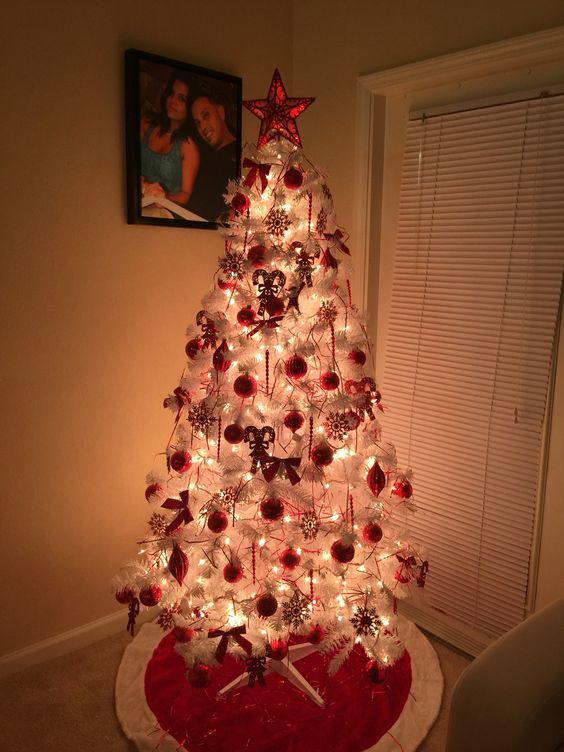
(183, 141)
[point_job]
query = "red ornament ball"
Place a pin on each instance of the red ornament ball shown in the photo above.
(353, 420)
(183, 634)
(256, 255)
(402, 488)
(316, 634)
(217, 521)
(372, 532)
(272, 509)
(219, 360)
(290, 558)
(226, 284)
(295, 367)
(329, 380)
(240, 202)
(233, 433)
(246, 316)
(193, 347)
(267, 605)
(342, 552)
(358, 357)
(150, 595)
(245, 386)
(278, 649)
(293, 178)
(376, 479)
(294, 420)
(322, 455)
(199, 675)
(152, 489)
(275, 307)
(232, 572)
(125, 595)
(180, 461)
(375, 672)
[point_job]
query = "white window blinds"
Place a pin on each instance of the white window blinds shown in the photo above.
(475, 299)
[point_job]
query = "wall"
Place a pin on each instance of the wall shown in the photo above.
(335, 43)
(94, 310)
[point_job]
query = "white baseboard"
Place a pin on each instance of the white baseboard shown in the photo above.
(66, 642)
(446, 628)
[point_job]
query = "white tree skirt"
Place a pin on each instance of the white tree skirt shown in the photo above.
(418, 715)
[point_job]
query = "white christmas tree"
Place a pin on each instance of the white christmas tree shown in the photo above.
(279, 524)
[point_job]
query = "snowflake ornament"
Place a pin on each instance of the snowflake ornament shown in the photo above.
(166, 617)
(158, 524)
(201, 418)
(295, 611)
(277, 222)
(337, 426)
(232, 265)
(327, 312)
(366, 621)
(309, 525)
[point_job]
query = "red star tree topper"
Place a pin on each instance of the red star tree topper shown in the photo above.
(279, 512)
(278, 113)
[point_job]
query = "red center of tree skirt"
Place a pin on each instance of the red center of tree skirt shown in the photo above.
(278, 716)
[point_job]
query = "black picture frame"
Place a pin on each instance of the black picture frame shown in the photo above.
(152, 114)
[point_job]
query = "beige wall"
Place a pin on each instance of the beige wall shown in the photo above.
(95, 310)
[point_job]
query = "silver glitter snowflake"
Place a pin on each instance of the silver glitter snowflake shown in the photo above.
(309, 525)
(337, 426)
(321, 223)
(201, 418)
(166, 616)
(366, 621)
(296, 611)
(277, 222)
(226, 497)
(232, 265)
(327, 312)
(158, 524)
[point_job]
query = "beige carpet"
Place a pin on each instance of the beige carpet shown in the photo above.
(67, 704)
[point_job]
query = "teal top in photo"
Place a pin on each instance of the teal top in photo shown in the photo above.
(165, 169)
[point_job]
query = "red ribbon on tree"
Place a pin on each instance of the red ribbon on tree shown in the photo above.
(236, 633)
(336, 239)
(271, 466)
(271, 323)
(132, 615)
(184, 517)
(328, 260)
(257, 170)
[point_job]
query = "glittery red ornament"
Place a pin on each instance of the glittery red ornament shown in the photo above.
(245, 386)
(353, 420)
(217, 521)
(293, 178)
(150, 595)
(267, 605)
(199, 675)
(402, 488)
(246, 316)
(295, 367)
(278, 113)
(152, 490)
(375, 672)
(290, 558)
(256, 255)
(372, 532)
(220, 361)
(240, 202)
(272, 509)
(183, 634)
(294, 420)
(342, 552)
(232, 572)
(178, 564)
(180, 461)
(274, 306)
(124, 595)
(358, 357)
(193, 347)
(329, 380)
(322, 455)
(316, 634)
(376, 479)
(277, 649)
(226, 284)
(233, 433)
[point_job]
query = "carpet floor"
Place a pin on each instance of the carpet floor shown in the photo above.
(67, 704)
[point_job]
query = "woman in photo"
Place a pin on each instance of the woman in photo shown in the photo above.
(169, 156)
